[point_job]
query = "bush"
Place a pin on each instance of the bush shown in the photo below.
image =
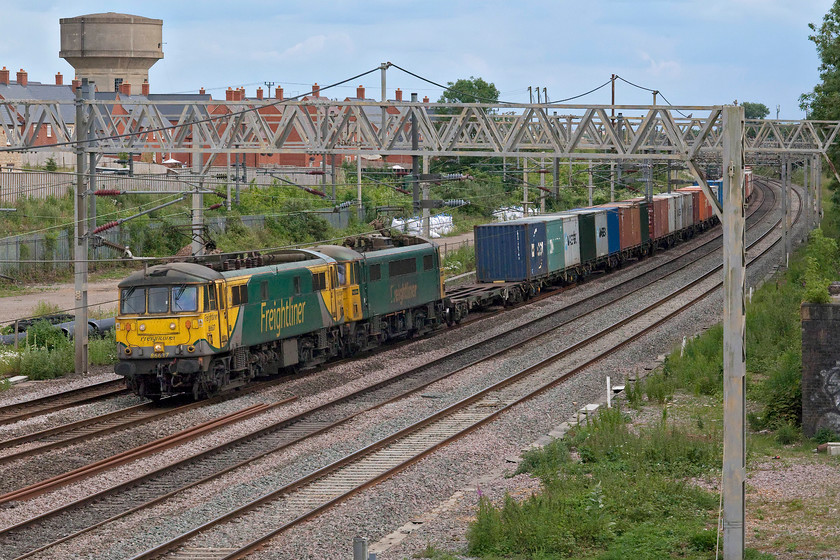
(824, 435)
(787, 434)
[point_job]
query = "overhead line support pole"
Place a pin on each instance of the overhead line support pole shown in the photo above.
(80, 231)
(734, 325)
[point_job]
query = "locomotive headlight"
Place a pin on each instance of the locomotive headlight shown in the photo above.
(172, 326)
(142, 327)
(158, 348)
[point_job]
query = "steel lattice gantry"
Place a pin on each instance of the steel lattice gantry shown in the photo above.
(351, 127)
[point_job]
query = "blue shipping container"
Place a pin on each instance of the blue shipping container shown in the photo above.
(613, 232)
(510, 251)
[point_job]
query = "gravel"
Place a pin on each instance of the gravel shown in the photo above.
(442, 489)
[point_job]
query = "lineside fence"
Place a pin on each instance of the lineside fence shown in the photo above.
(16, 184)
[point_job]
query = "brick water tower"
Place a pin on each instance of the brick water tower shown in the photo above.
(112, 49)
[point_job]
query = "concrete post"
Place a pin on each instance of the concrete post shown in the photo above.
(360, 548)
(359, 181)
(590, 182)
(556, 186)
(612, 181)
(785, 179)
(542, 184)
(426, 210)
(788, 182)
(80, 231)
(734, 324)
(227, 182)
(806, 184)
(818, 186)
(197, 205)
(415, 160)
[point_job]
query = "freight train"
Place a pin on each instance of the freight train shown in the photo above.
(203, 328)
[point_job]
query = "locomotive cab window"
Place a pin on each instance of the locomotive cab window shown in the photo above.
(264, 290)
(159, 299)
(319, 281)
(239, 294)
(132, 300)
(296, 285)
(184, 298)
(209, 298)
(427, 262)
(375, 272)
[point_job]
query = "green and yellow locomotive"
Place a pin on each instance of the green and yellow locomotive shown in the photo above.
(186, 327)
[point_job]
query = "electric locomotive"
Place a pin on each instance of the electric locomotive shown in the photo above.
(190, 328)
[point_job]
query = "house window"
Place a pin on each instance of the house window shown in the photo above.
(49, 131)
(117, 83)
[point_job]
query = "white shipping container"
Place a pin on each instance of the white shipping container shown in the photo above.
(572, 239)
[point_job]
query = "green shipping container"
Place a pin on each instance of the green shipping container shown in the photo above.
(587, 236)
(645, 222)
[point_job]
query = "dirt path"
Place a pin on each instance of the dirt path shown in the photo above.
(103, 294)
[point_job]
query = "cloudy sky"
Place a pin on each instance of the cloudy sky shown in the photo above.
(696, 52)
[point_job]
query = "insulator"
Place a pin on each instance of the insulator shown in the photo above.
(401, 190)
(316, 192)
(108, 192)
(215, 206)
(103, 227)
(220, 194)
(315, 172)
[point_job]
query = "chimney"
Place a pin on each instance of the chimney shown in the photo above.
(229, 94)
(278, 93)
(125, 88)
(76, 84)
(240, 96)
(259, 93)
(144, 88)
(360, 92)
(316, 90)
(59, 79)
(398, 94)
(4, 76)
(22, 79)
(201, 92)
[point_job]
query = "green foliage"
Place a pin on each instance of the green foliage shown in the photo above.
(434, 553)
(51, 165)
(459, 261)
(45, 308)
(787, 434)
(824, 435)
(822, 102)
(102, 351)
(700, 368)
(625, 499)
(755, 110)
(472, 90)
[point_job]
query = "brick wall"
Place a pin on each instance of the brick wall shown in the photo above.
(820, 366)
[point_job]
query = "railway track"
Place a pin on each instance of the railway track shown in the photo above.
(27, 409)
(275, 512)
(305, 424)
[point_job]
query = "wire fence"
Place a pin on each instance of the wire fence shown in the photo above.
(43, 184)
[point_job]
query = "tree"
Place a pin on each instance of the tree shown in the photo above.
(823, 103)
(755, 110)
(472, 90)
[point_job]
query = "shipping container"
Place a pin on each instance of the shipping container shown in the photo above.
(510, 251)
(660, 217)
(704, 207)
(644, 221)
(630, 224)
(571, 233)
(586, 236)
(717, 187)
(687, 209)
(556, 226)
(600, 233)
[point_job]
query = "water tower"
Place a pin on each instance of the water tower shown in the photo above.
(112, 49)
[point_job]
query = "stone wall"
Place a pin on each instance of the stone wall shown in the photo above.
(820, 366)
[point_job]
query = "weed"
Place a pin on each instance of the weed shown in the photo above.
(824, 435)
(787, 434)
